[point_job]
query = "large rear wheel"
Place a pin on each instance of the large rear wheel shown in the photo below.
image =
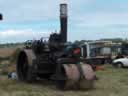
(24, 71)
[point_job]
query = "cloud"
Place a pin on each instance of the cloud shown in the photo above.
(100, 20)
(32, 10)
(87, 18)
(21, 35)
(27, 10)
(96, 35)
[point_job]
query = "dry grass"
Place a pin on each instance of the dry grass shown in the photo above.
(5, 52)
(112, 82)
(8, 59)
(8, 51)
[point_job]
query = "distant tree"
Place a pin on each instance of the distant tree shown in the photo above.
(115, 40)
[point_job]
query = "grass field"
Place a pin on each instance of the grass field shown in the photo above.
(112, 82)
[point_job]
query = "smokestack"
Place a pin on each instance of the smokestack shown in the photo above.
(63, 21)
(1, 17)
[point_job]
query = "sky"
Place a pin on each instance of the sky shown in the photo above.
(87, 19)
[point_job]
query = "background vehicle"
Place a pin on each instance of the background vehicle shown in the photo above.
(121, 59)
(96, 52)
(122, 62)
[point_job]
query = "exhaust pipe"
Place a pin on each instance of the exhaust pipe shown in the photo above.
(63, 21)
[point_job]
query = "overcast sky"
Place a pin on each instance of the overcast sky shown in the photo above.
(88, 19)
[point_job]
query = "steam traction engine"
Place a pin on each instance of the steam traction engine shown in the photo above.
(55, 60)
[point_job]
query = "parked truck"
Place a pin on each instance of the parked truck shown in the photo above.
(96, 52)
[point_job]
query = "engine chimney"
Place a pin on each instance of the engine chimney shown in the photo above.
(63, 21)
